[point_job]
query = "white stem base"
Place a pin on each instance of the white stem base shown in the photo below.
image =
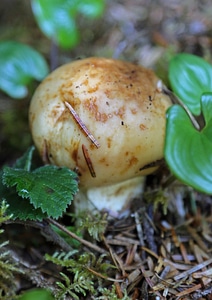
(114, 198)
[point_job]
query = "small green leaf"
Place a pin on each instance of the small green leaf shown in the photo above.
(57, 18)
(19, 65)
(190, 76)
(91, 8)
(25, 161)
(37, 294)
(49, 188)
(188, 151)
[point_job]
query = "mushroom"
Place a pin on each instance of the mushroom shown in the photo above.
(105, 119)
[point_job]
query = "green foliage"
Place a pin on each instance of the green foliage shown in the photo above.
(3, 212)
(188, 151)
(190, 76)
(107, 294)
(84, 269)
(80, 285)
(49, 188)
(72, 242)
(37, 294)
(44, 192)
(8, 269)
(188, 144)
(25, 161)
(157, 198)
(7, 273)
(94, 224)
(19, 65)
(57, 18)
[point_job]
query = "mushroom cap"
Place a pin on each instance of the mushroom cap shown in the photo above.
(120, 121)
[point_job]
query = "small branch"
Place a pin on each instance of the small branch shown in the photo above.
(74, 236)
(139, 228)
(54, 56)
(47, 231)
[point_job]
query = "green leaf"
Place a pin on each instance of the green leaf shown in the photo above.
(91, 8)
(190, 76)
(188, 151)
(49, 188)
(57, 18)
(22, 209)
(19, 65)
(36, 294)
(25, 161)
(18, 207)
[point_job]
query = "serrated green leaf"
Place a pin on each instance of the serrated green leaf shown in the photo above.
(190, 76)
(19, 208)
(49, 188)
(19, 65)
(188, 151)
(22, 209)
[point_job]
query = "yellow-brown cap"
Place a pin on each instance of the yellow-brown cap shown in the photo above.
(104, 118)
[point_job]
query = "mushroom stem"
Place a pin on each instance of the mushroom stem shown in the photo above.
(113, 199)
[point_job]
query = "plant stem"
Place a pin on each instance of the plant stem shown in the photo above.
(47, 231)
(176, 100)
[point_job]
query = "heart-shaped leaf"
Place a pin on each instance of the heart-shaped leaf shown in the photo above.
(190, 76)
(188, 151)
(19, 65)
(57, 18)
